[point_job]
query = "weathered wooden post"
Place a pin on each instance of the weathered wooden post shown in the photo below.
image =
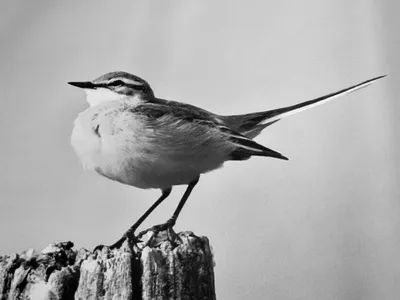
(164, 267)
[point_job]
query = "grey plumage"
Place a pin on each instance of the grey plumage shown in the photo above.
(150, 142)
(129, 135)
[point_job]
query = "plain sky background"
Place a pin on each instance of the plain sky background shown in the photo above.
(324, 225)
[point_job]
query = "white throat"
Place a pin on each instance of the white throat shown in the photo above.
(103, 95)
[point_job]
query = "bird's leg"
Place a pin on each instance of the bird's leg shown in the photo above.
(130, 233)
(171, 221)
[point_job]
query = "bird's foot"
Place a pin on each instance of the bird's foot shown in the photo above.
(158, 235)
(135, 239)
(157, 228)
(128, 235)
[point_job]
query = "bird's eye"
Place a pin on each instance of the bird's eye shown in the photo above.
(116, 83)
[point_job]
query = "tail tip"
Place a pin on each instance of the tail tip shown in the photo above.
(283, 157)
(278, 156)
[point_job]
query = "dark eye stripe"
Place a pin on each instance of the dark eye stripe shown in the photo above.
(137, 87)
(116, 83)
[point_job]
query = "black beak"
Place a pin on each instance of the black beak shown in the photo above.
(83, 85)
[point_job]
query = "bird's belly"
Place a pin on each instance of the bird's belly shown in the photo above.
(144, 172)
(142, 166)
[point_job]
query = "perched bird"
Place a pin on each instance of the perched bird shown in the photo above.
(131, 136)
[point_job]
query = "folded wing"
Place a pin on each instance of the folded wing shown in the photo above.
(198, 134)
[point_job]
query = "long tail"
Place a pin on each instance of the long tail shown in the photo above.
(251, 125)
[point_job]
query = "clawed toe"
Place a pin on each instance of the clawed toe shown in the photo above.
(116, 245)
(129, 235)
(167, 226)
(135, 239)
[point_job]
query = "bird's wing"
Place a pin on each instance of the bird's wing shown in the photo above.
(182, 112)
(186, 126)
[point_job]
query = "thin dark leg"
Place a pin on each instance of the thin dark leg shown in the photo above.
(183, 201)
(131, 231)
(171, 221)
(164, 195)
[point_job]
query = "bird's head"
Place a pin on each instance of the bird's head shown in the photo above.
(115, 86)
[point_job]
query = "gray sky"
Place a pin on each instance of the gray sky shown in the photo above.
(323, 225)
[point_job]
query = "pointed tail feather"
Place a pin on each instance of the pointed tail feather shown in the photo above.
(244, 154)
(252, 124)
(245, 147)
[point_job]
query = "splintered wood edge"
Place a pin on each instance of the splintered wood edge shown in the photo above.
(61, 272)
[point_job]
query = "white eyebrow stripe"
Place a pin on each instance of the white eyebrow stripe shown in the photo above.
(127, 81)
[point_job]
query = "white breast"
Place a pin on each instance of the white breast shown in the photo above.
(84, 140)
(104, 144)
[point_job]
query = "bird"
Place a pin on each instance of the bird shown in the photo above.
(129, 135)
